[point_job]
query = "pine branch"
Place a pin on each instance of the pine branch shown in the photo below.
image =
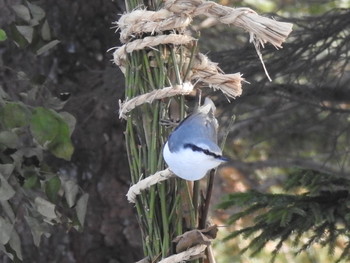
(323, 214)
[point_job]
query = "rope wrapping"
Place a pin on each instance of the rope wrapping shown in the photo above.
(130, 104)
(208, 72)
(120, 54)
(147, 183)
(176, 16)
(154, 22)
(264, 29)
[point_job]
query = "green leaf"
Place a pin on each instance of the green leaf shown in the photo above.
(70, 192)
(15, 244)
(46, 47)
(15, 115)
(6, 190)
(6, 169)
(52, 132)
(31, 182)
(22, 12)
(6, 229)
(81, 208)
(62, 146)
(6, 207)
(37, 229)
(70, 120)
(52, 187)
(3, 35)
(17, 37)
(9, 139)
(45, 208)
(45, 31)
(37, 12)
(26, 32)
(44, 125)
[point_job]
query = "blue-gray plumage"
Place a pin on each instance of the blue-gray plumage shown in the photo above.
(191, 149)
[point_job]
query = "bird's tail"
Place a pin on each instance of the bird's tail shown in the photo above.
(207, 107)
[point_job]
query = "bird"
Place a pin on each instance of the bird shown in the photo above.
(191, 149)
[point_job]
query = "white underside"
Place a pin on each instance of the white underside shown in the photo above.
(189, 165)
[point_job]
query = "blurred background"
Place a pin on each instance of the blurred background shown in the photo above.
(300, 119)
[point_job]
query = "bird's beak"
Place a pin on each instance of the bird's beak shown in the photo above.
(224, 159)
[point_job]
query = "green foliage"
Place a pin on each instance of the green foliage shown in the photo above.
(52, 186)
(15, 115)
(320, 214)
(81, 208)
(6, 190)
(3, 35)
(315, 182)
(33, 127)
(52, 132)
(27, 134)
(31, 182)
(31, 30)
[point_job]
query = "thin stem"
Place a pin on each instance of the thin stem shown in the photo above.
(189, 196)
(133, 153)
(205, 210)
(148, 70)
(195, 201)
(193, 51)
(165, 223)
(176, 67)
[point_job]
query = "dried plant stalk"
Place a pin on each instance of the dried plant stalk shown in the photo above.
(153, 58)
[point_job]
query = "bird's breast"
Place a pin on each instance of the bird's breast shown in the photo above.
(188, 164)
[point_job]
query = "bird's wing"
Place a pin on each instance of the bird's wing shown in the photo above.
(199, 126)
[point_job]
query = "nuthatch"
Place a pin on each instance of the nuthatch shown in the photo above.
(192, 150)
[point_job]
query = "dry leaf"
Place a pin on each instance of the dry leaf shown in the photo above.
(210, 232)
(190, 239)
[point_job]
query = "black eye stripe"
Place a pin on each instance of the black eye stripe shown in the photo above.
(199, 149)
